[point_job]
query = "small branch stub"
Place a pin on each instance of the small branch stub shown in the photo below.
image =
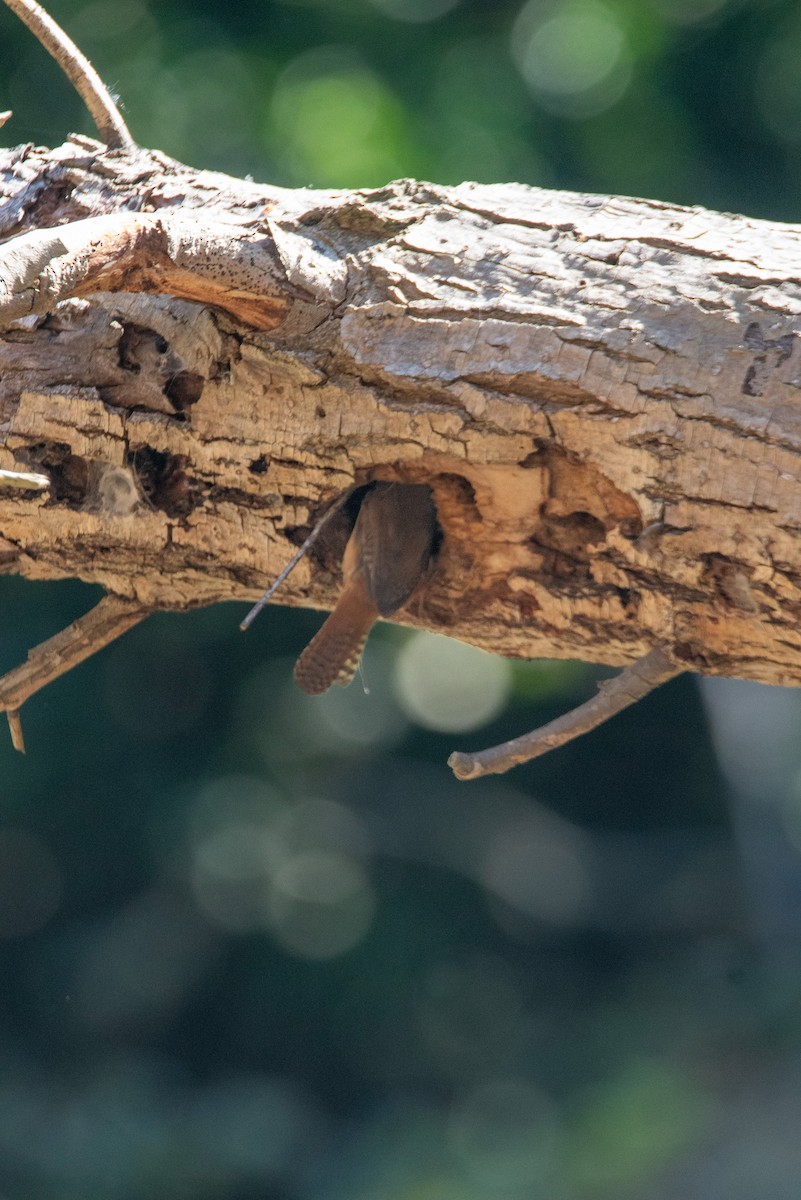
(15, 727)
(28, 481)
(615, 694)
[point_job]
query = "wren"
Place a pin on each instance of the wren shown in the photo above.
(385, 560)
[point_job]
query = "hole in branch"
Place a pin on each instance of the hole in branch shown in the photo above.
(164, 481)
(184, 389)
(69, 474)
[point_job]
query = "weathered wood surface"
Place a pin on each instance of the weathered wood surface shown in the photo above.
(603, 394)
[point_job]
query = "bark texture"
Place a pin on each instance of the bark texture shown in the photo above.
(602, 393)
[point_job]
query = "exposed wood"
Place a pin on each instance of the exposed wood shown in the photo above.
(601, 392)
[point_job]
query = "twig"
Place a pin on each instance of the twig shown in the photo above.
(631, 685)
(5, 116)
(80, 640)
(29, 481)
(15, 726)
(293, 562)
(80, 72)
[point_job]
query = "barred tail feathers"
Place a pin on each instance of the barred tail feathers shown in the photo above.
(333, 654)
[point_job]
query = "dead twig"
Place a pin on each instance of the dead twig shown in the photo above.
(29, 481)
(5, 116)
(109, 619)
(631, 685)
(80, 72)
(293, 562)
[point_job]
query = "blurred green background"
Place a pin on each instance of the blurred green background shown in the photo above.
(260, 947)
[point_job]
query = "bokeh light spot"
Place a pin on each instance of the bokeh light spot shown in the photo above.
(573, 55)
(358, 717)
(256, 860)
(689, 12)
(535, 863)
(777, 87)
(504, 1132)
(283, 725)
(139, 966)
(234, 799)
(470, 1013)
(235, 843)
(634, 1123)
(318, 824)
(321, 904)
(254, 1125)
(337, 123)
(416, 11)
(445, 685)
(230, 874)
(110, 20)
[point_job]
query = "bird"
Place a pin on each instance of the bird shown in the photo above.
(387, 556)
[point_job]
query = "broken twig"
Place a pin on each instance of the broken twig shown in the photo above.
(29, 481)
(615, 694)
(293, 562)
(109, 619)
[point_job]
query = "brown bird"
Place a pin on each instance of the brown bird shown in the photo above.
(384, 562)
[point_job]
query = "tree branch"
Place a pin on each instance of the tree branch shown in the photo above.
(602, 396)
(80, 72)
(602, 483)
(110, 618)
(615, 694)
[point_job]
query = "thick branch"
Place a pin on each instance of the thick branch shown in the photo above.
(602, 394)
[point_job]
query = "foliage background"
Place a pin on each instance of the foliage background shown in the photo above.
(255, 946)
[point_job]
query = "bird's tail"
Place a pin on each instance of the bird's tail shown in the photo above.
(333, 654)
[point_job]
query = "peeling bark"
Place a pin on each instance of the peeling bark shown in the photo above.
(602, 393)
